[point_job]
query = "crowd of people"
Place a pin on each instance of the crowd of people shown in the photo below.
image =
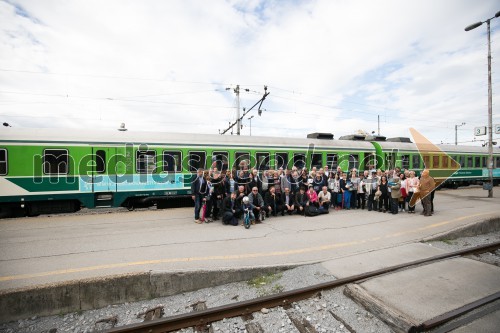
(226, 195)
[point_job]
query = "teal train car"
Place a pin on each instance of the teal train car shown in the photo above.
(53, 171)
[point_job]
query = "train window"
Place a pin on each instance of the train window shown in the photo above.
(444, 161)
(416, 161)
(220, 160)
(281, 160)
(316, 160)
(100, 161)
(146, 161)
(498, 162)
(299, 160)
(469, 161)
(172, 161)
(353, 161)
(405, 161)
(3, 162)
(262, 161)
(242, 160)
(55, 162)
(332, 161)
(477, 161)
(462, 160)
(427, 161)
(435, 161)
(485, 162)
(197, 160)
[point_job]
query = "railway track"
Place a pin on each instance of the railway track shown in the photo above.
(288, 302)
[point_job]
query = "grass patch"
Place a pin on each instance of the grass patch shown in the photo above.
(264, 280)
(448, 241)
(267, 284)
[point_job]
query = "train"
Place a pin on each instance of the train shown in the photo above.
(47, 171)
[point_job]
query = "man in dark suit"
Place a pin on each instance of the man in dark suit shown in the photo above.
(199, 190)
(273, 202)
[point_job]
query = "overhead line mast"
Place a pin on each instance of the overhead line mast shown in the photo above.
(245, 112)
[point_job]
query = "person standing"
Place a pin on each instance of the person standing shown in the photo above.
(427, 185)
(199, 190)
(395, 194)
(412, 184)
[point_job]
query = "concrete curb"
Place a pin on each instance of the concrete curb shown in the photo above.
(88, 294)
(473, 229)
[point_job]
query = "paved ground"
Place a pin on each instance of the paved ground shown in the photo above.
(49, 249)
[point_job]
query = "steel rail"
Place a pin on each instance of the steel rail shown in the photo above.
(286, 298)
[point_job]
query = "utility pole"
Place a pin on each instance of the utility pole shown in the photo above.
(245, 112)
(238, 121)
(250, 118)
(378, 121)
(456, 128)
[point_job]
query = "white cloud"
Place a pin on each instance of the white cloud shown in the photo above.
(331, 66)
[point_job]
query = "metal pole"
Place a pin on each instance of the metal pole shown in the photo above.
(490, 118)
(456, 126)
(250, 118)
(378, 121)
(238, 125)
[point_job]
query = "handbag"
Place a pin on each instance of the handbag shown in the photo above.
(403, 192)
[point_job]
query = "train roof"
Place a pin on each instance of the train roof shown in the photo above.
(412, 147)
(79, 136)
(55, 136)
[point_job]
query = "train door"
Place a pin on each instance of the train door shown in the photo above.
(104, 180)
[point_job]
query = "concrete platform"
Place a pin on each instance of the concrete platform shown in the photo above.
(52, 252)
(410, 297)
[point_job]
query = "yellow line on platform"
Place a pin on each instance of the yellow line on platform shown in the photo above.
(231, 257)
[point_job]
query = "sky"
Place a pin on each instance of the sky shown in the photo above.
(333, 66)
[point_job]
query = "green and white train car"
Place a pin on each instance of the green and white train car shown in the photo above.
(53, 170)
(470, 162)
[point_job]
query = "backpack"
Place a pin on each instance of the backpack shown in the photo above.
(312, 211)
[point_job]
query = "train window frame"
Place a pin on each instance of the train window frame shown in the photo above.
(332, 160)
(100, 167)
(303, 160)
(416, 161)
(177, 166)
(194, 152)
(445, 159)
(267, 160)
(216, 161)
(353, 162)
(237, 157)
(148, 164)
(462, 161)
(279, 156)
(469, 162)
(4, 162)
(435, 162)
(44, 161)
(314, 161)
(405, 161)
(427, 162)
